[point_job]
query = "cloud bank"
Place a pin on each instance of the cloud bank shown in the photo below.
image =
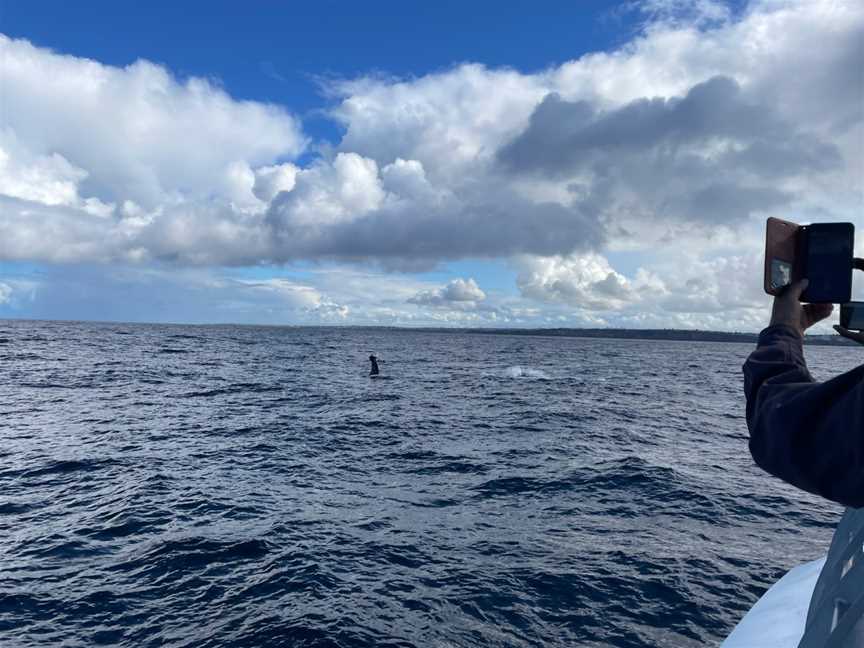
(677, 144)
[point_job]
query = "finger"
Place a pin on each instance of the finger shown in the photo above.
(817, 312)
(852, 335)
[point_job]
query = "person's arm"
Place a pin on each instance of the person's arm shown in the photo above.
(809, 434)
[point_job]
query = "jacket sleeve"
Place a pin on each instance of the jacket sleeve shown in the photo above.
(807, 433)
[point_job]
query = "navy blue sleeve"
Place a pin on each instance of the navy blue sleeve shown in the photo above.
(807, 433)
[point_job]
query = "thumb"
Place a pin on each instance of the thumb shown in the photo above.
(795, 290)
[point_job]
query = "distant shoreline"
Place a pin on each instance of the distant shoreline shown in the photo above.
(672, 335)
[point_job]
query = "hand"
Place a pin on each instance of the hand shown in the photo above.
(852, 335)
(790, 311)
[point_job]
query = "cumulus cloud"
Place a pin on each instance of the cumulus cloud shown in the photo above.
(137, 132)
(330, 194)
(270, 181)
(47, 179)
(458, 293)
(136, 165)
(683, 290)
(710, 155)
(417, 231)
(586, 281)
(463, 290)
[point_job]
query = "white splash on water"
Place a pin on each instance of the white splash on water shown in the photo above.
(525, 372)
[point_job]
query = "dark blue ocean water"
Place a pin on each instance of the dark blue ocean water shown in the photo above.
(246, 486)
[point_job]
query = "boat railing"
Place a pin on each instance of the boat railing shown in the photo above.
(835, 618)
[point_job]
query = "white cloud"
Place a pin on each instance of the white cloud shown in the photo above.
(271, 180)
(47, 179)
(448, 121)
(586, 281)
(683, 289)
(139, 133)
(463, 290)
(463, 294)
(329, 194)
(300, 297)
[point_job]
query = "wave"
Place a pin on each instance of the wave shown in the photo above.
(192, 553)
(234, 389)
(66, 466)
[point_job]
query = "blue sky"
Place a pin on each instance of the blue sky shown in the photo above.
(483, 163)
(277, 51)
(302, 40)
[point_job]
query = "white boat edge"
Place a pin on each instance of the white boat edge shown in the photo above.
(777, 619)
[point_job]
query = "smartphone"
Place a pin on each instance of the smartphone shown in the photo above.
(827, 253)
(821, 253)
(852, 316)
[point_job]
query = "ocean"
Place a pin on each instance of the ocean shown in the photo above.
(204, 486)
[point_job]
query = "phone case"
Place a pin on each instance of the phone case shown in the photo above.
(782, 265)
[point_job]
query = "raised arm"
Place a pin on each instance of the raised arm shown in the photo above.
(809, 434)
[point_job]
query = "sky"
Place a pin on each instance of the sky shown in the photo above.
(518, 164)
